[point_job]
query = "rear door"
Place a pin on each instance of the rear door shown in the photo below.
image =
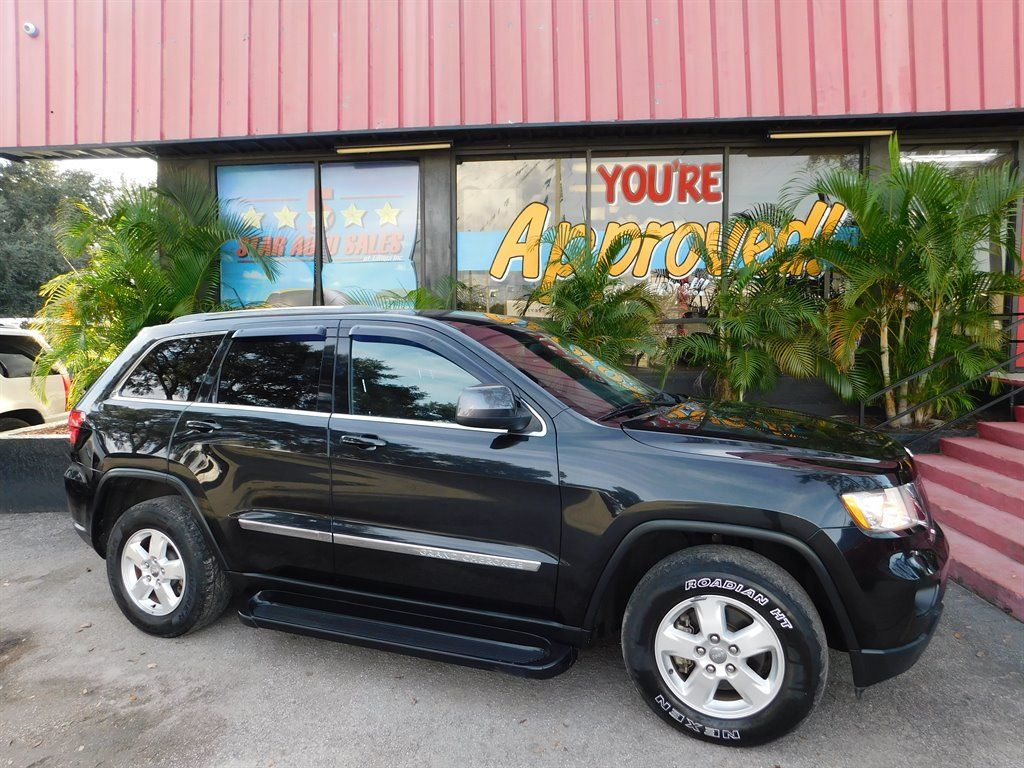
(257, 448)
(425, 507)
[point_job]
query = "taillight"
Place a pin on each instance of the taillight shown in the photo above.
(66, 380)
(75, 421)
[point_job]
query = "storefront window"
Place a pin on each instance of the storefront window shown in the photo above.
(666, 205)
(964, 160)
(371, 211)
(370, 219)
(278, 200)
(503, 208)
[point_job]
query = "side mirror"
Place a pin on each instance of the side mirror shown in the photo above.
(491, 406)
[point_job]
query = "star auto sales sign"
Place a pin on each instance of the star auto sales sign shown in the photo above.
(670, 245)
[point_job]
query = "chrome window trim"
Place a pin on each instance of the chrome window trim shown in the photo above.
(116, 390)
(224, 406)
(438, 553)
(264, 409)
(450, 424)
(117, 399)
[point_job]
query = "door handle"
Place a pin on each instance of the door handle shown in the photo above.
(366, 442)
(202, 426)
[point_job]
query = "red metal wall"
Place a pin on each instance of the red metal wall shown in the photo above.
(104, 71)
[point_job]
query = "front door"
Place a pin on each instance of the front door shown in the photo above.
(427, 508)
(257, 447)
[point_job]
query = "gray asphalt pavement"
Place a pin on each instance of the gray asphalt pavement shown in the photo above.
(79, 686)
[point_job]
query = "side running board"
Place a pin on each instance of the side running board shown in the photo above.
(459, 642)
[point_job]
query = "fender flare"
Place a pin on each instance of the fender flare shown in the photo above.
(183, 491)
(727, 529)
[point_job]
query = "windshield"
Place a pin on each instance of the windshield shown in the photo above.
(577, 378)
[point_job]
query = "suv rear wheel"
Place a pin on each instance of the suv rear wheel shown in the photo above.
(725, 645)
(163, 575)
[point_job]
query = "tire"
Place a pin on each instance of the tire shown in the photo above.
(9, 422)
(171, 606)
(775, 689)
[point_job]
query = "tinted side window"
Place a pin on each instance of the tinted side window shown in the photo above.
(173, 370)
(405, 381)
(16, 360)
(272, 372)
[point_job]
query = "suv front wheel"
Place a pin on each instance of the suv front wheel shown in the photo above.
(163, 575)
(725, 645)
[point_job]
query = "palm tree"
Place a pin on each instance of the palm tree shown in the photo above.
(914, 292)
(761, 321)
(150, 255)
(447, 294)
(592, 309)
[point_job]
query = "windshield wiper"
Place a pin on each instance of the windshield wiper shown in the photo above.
(663, 398)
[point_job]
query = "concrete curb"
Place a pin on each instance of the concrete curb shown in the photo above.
(32, 474)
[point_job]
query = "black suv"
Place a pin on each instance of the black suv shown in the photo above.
(466, 487)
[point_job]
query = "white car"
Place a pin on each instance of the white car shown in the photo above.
(20, 406)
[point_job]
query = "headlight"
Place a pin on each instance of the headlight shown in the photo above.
(885, 510)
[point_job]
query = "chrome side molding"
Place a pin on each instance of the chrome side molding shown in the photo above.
(439, 553)
(269, 522)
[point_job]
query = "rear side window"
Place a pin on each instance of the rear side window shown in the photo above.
(405, 381)
(172, 370)
(272, 372)
(16, 359)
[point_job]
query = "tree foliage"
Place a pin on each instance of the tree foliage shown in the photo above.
(594, 310)
(914, 292)
(144, 257)
(762, 322)
(30, 194)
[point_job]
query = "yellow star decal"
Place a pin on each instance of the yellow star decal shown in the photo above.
(353, 216)
(388, 215)
(252, 217)
(286, 217)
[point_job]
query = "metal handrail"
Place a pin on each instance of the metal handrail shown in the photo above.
(874, 396)
(943, 361)
(961, 417)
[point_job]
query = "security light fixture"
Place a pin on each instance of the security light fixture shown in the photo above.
(830, 134)
(382, 148)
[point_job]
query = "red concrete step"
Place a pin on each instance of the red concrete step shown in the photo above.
(991, 574)
(985, 453)
(1009, 433)
(1018, 413)
(982, 484)
(992, 527)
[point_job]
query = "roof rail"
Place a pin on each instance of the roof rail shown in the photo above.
(283, 312)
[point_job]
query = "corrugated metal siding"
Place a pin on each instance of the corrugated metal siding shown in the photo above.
(105, 71)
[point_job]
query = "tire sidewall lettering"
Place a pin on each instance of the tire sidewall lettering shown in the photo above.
(726, 734)
(737, 588)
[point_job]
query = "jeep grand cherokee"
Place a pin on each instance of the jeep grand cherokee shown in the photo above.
(466, 487)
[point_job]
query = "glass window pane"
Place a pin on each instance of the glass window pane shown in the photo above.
(371, 216)
(404, 381)
(278, 200)
(271, 372)
(503, 208)
(173, 370)
(665, 202)
(759, 176)
(964, 159)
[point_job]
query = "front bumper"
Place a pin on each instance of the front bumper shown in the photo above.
(892, 590)
(872, 665)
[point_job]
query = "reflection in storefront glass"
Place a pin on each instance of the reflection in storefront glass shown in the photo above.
(278, 200)
(503, 208)
(371, 212)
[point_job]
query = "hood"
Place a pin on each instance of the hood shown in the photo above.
(827, 440)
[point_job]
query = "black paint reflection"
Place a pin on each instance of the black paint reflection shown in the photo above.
(271, 373)
(404, 381)
(173, 370)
